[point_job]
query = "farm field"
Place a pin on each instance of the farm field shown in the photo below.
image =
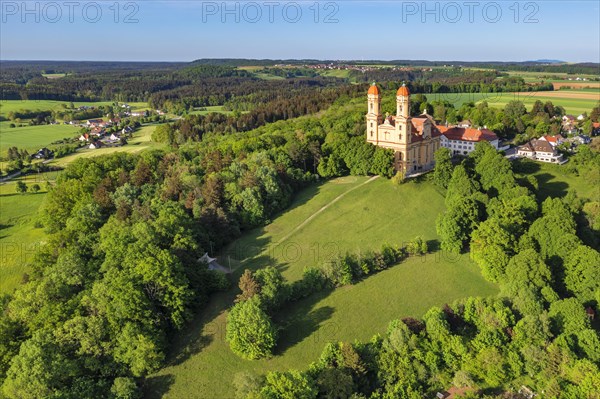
(19, 238)
(368, 215)
(32, 138)
(47, 105)
(574, 101)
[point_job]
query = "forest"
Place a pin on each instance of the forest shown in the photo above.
(536, 334)
(119, 275)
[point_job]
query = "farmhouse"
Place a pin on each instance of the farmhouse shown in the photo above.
(462, 140)
(413, 139)
(596, 129)
(540, 150)
(84, 137)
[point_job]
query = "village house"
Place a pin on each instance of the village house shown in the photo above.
(540, 150)
(97, 132)
(462, 140)
(84, 137)
(95, 145)
(43, 153)
(114, 137)
(95, 122)
(466, 124)
(582, 139)
(553, 140)
(596, 129)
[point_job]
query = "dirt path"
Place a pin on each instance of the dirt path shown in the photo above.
(314, 215)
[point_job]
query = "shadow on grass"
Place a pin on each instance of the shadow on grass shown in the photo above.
(433, 245)
(550, 188)
(251, 251)
(298, 321)
(157, 387)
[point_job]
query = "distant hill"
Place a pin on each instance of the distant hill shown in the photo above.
(545, 61)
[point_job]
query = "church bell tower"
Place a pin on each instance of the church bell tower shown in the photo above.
(374, 118)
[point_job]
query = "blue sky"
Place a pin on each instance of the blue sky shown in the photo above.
(187, 30)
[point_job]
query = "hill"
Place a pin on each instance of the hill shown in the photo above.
(366, 216)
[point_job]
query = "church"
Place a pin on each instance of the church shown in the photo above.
(413, 139)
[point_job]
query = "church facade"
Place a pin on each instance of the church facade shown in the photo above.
(413, 139)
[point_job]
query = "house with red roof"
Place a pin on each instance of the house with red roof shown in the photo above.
(462, 140)
(596, 129)
(553, 140)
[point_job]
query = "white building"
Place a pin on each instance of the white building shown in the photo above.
(540, 150)
(461, 140)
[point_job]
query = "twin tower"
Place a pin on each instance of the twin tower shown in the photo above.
(413, 139)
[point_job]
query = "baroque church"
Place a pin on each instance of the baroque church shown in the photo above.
(413, 139)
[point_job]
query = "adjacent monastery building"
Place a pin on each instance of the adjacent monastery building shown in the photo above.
(416, 139)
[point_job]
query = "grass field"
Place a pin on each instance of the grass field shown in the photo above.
(209, 109)
(32, 138)
(141, 140)
(202, 365)
(48, 105)
(19, 238)
(554, 181)
(574, 101)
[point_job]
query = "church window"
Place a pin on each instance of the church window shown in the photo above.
(371, 124)
(371, 133)
(399, 137)
(371, 106)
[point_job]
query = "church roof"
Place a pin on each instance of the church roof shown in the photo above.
(374, 89)
(417, 131)
(403, 91)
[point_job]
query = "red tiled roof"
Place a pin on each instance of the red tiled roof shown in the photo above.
(596, 125)
(417, 131)
(553, 139)
(468, 134)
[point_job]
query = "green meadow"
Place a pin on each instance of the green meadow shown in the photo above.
(365, 217)
(48, 105)
(32, 138)
(19, 236)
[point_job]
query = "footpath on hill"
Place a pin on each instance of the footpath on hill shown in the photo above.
(314, 215)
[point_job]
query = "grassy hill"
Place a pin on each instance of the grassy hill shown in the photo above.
(366, 216)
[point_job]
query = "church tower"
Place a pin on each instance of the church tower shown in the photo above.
(403, 124)
(374, 118)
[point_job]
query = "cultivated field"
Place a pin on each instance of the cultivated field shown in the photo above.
(32, 138)
(371, 214)
(48, 105)
(573, 101)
